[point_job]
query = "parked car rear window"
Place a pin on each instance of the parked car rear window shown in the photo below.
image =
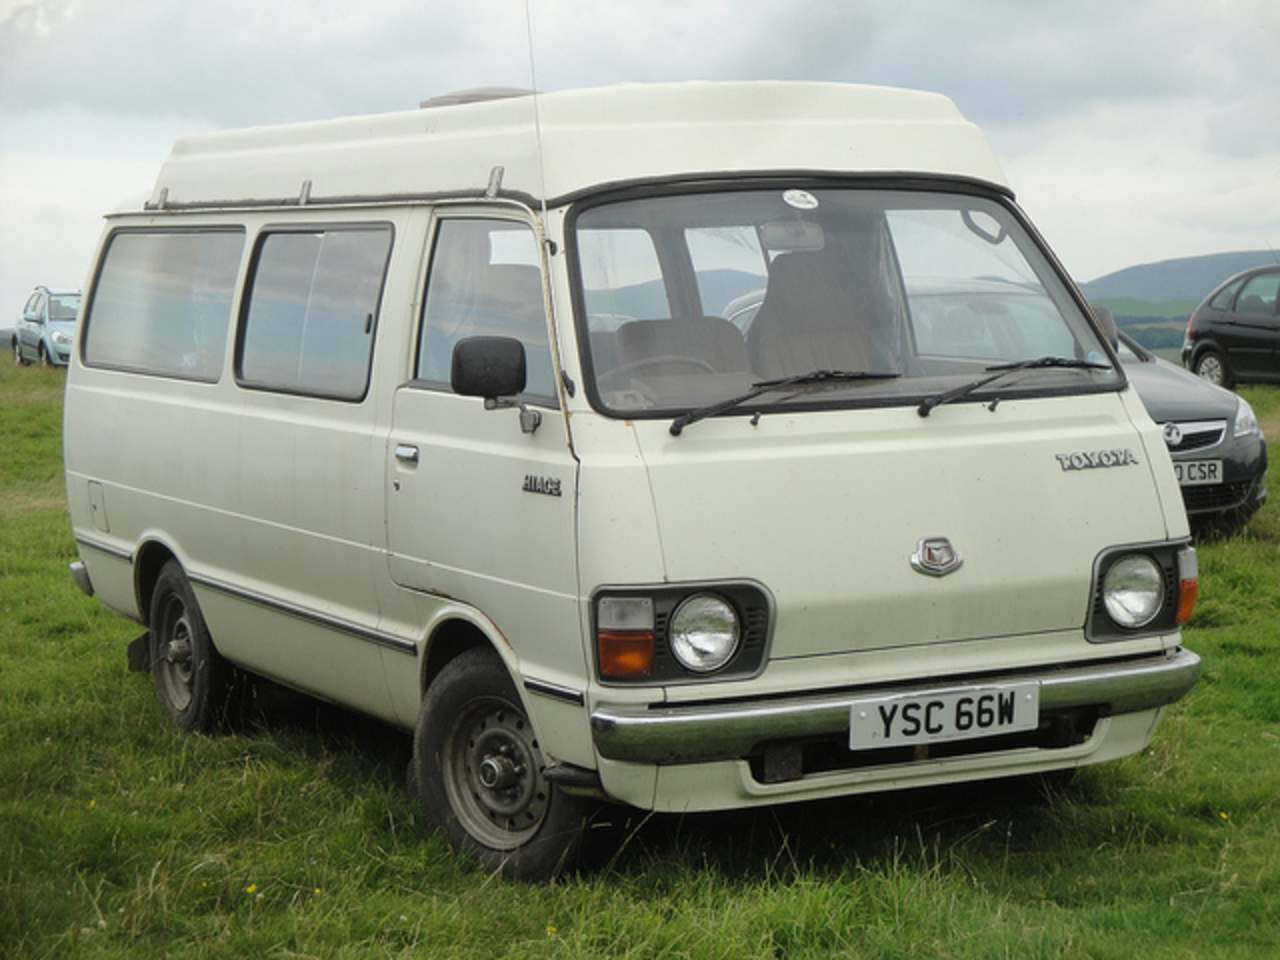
(162, 303)
(311, 310)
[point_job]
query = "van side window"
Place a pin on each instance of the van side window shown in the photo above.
(485, 280)
(162, 303)
(311, 310)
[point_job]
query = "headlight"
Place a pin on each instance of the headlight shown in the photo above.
(62, 339)
(704, 633)
(1246, 422)
(1133, 591)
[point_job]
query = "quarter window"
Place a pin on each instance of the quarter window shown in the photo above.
(485, 281)
(162, 303)
(311, 311)
(1259, 295)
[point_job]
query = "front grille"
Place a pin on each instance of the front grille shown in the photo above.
(1196, 435)
(1216, 496)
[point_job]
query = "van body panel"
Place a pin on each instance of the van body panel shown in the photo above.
(580, 140)
(800, 504)
(475, 465)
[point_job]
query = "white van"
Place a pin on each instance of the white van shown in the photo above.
(694, 446)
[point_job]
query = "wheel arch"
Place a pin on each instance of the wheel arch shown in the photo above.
(148, 561)
(456, 635)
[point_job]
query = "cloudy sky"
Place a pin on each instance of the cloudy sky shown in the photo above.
(1132, 130)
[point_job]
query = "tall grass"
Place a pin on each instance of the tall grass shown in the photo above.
(120, 837)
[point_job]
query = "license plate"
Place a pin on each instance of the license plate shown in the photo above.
(957, 714)
(1194, 473)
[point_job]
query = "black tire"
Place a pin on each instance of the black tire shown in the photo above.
(1212, 366)
(193, 682)
(17, 354)
(478, 774)
(42, 355)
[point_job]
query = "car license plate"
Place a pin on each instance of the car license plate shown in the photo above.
(956, 714)
(1194, 473)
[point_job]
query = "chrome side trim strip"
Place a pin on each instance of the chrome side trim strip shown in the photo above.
(330, 623)
(556, 692)
(110, 551)
(691, 734)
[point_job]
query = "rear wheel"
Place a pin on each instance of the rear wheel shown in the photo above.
(1212, 367)
(17, 354)
(478, 772)
(192, 680)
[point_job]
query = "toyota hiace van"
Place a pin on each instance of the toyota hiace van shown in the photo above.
(644, 444)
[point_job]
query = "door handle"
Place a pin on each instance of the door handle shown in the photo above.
(407, 453)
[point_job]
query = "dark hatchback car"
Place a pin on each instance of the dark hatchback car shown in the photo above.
(1234, 335)
(1218, 450)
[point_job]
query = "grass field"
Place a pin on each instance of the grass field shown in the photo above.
(121, 838)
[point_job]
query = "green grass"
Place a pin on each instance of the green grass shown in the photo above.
(121, 838)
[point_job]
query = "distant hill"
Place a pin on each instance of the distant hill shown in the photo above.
(1153, 301)
(1172, 281)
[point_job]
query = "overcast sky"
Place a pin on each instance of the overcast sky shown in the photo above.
(1131, 130)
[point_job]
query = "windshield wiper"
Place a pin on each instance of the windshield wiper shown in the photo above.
(767, 386)
(1001, 370)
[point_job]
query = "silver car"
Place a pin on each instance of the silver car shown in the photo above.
(45, 331)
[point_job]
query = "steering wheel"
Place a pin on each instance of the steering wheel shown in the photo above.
(645, 363)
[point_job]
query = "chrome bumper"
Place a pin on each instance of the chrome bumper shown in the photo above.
(691, 734)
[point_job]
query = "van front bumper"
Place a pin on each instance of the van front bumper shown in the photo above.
(706, 732)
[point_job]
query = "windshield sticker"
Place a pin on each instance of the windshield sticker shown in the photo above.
(800, 199)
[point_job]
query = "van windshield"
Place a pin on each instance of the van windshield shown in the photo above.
(694, 299)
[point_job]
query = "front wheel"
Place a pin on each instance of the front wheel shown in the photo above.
(479, 774)
(192, 680)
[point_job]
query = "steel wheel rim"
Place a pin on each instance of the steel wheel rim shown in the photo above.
(493, 774)
(175, 658)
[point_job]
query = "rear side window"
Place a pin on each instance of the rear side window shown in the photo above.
(162, 303)
(1259, 295)
(311, 310)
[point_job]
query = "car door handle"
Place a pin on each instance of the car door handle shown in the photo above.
(407, 453)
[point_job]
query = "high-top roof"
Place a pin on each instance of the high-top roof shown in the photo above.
(589, 138)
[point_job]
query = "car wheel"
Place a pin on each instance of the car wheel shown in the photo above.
(192, 680)
(17, 354)
(1212, 367)
(43, 356)
(478, 773)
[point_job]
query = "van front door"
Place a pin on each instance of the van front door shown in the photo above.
(479, 511)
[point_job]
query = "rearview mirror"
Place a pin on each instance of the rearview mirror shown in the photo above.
(792, 236)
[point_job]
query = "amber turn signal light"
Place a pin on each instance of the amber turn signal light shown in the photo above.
(625, 655)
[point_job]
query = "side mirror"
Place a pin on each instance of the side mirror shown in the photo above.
(489, 367)
(1107, 323)
(493, 368)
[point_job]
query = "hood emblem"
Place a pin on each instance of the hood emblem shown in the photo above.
(1172, 435)
(936, 557)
